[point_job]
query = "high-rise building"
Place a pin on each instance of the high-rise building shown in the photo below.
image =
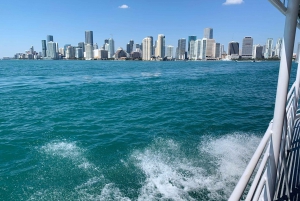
(217, 52)
(81, 45)
(65, 48)
(89, 53)
(181, 49)
(70, 54)
(49, 38)
(44, 49)
(192, 50)
(191, 38)
(89, 37)
(170, 51)
(208, 33)
(79, 53)
(160, 46)
(210, 48)
(147, 48)
(131, 42)
(52, 54)
(233, 48)
(153, 49)
(106, 47)
(128, 48)
(247, 47)
(257, 52)
(197, 49)
(269, 48)
(203, 49)
(278, 48)
(61, 51)
(111, 50)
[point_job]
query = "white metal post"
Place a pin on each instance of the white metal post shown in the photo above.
(284, 76)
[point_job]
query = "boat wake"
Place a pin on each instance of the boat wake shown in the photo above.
(166, 169)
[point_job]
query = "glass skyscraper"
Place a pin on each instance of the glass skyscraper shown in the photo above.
(89, 37)
(44, 48)
(208, 33)
(49, 38)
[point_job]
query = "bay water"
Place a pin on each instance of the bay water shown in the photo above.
(130, 130)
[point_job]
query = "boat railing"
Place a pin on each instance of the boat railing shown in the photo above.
(256, 181)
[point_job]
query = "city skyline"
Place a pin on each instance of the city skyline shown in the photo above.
(224, 19)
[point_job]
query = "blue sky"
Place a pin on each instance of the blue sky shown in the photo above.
(26, 23)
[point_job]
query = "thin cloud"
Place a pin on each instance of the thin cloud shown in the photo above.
(124, 6)
(232, 2)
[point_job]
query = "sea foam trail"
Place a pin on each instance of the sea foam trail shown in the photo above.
(211, 175)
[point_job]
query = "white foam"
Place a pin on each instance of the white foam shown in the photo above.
(170, 174)
(144, 74)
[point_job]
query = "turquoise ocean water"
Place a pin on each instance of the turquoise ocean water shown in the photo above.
(97, 130)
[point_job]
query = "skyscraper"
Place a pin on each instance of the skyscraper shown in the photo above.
(181, 49)
(131, 42)
(147, 48)
(160, 47)
(191, 38)
(192, 50)
(197, 49)
(247, 47)
(268, 49)
(170, 51)
(81, 45)
(52, 50)
(233, 48)
(278, 48)
(89, 37)
(128, 48)
(49, 38)
(210, 48)
(89, 53)
(44, 49)
(111, 50)
(208, 33)
(257, 52)
(95, 46)
(153, 49)
(217, 48)
(203, 49)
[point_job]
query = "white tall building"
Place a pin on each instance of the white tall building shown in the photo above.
(247, 47)
(111, 50)
(52, 53)
(197, 50)
(170, 51)
(269, 48)
(160, 46)
(203, 49)
(89, 53)
(147, 48)
(257, 52)
(210, 48)
(192, 55)
(278, 48)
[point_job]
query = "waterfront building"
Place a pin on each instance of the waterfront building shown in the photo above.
(147, 48)
(269, 48)
(135, 55)
(181, 49)
(153, 48)
(233, 48)
(120, 54)
(128, 47)
(81, 45)
(52, 53)
(170, 51)
(222, 50)
(210, 48)
(111, 49)
(49, 38)
(44, 48)
(160, 46)
(131, 42)
(257, 52)
(106, 46)
(191, 38)
(78, 53)
(247, 47)
(70, 54)
(192, 55)
(197, 49)
(203, 49)
(89, 37)
(217, 51)
(208, 33)
(278, 48)
(89, 54)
